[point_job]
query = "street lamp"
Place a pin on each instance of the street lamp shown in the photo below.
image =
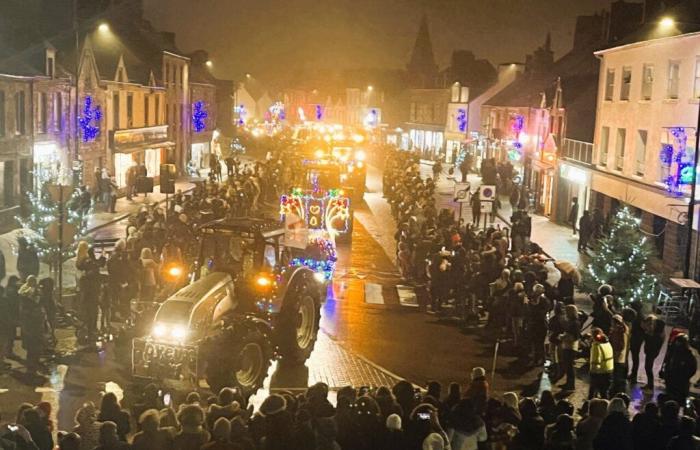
(667, 23)
(103, 28)
(209, 63)
(370, 88)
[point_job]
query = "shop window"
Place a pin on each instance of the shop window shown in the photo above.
(647, 81)
(626, 83)
(674, 70)
(641, 151)
(2, 113)
(152, 162)
(620, 149)
(122, 162)
(8, 184)
(20, 116)
(603, 146)
(609, 84)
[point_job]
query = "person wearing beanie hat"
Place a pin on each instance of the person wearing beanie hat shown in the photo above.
(601, 364)
(433, 442)
(221, 433)
(274, 404)
(478, 390)
(192, 433)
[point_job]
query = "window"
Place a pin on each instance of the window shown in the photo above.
(146, 112)
(455, 93)
(50, 67)
(647, 81)
(674, 68)
(57, 111)
(641, 151)
(20, 116)
(157, 121)
(129, 110)
(2, 113)
(115, 111)
(626, 83)
(603, 147)
(8, 183)
(609, 84)
(696, 84)
(41, 113)
(620, 149)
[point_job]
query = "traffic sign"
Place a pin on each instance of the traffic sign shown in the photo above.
(461, 193)
(486, 206)
(488, 192)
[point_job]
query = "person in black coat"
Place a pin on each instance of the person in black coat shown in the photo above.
(646, 427)
(531, 428)
(654, 333)
(615, 432)
(680, 366)
(585, 230)
(112, 412)
(636, 339)
(573, 214)
(27, 258)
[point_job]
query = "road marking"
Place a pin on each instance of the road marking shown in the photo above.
(373, 294)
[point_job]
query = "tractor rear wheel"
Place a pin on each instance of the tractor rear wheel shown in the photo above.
(298, 323)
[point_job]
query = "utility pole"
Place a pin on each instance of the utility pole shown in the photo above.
(76, 127)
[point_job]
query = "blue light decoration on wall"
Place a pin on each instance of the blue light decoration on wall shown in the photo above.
(461, 120)
(683, 173)
(517, 123)
(90, 120)
(666, 154)
(319, 112)
(199, 116)
(241, 112)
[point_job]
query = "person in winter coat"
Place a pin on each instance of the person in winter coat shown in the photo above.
(560, 435)
(27, 258)
(573, 214)
(111, 411)
(531, 429)
(615, 432)
(13, 317)
(646, 428)
(619, 339)
(149, 275)
(192, 433)
(587, 428)
(87, 426)
(40, 433)
(601, 364)
(89, 284)
(654, 334)
(569, 341)
(679, 368)
(109, 439)
(221, 436)
(478, 389)
(536, 323)
(118, 270)
(33, 322)
(636, 339)
(475, 203)
(466, 431)
(393, 437)
(686, 439)
(151, 436)
(226, 406)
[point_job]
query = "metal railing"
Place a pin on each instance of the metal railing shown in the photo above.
(578, 150)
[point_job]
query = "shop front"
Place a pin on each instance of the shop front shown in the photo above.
(46, 163)
(428, 141)
(201, 149)
(142, 146)
(573, 181)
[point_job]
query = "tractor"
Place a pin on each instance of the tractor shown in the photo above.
(250, 302)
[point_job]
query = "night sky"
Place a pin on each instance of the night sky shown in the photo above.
(270, 37)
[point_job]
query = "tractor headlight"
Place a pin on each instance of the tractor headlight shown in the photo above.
(360, 155)
(179, 332)
(360, 164)
(159, 330)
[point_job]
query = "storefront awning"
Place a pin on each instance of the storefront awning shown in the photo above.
(138, 148)
(136, 139)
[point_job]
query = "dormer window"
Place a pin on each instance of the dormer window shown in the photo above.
(50, 69)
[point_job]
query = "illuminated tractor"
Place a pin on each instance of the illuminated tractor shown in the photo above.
(253, 301)
(325, 214)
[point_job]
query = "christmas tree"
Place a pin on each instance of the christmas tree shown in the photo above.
(42, 211)
(621, 261)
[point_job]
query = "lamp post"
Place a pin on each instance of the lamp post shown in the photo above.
(691, 201)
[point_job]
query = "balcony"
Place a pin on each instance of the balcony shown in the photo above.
(578, 151)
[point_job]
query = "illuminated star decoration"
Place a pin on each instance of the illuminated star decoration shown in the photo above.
(199, 117)
(461, 120)
(90, 120)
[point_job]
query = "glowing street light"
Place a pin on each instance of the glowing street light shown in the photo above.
(209, 63)
(370, 88)
(667, 23)
(103, 28)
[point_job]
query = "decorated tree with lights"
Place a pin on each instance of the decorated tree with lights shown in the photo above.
(621, 261)
(42, 217)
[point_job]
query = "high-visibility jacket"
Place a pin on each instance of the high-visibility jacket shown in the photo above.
(602, 360)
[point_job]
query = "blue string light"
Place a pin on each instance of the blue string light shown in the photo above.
(199, 116)
(461, 120)
(90, 120)
(319, 112)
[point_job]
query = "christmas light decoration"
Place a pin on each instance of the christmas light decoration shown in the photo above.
(90, 120)
(199, 116)
(328, 211)
(319, 112)
(461, 120)
(621, 261)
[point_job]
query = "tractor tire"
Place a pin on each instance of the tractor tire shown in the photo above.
(239, 359)
(298, 323)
